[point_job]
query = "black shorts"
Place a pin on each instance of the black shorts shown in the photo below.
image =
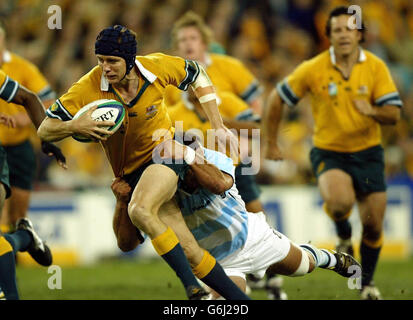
(22, 165)
(133, 178)
(4, 172)
(246, 184)
(365, 167)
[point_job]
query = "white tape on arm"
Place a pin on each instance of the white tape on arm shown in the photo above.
(208, 97)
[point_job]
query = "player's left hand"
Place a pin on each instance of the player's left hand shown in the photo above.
(7, 120)
(364, 107)
(51, 150)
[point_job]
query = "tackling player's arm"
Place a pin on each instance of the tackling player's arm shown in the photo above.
(209, 176)
(206, 174)
(127, 235)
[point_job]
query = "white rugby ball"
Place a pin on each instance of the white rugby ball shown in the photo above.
(107, 110)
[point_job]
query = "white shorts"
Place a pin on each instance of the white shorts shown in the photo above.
(264, 247)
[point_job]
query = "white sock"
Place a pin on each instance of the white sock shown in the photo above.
(330, 259)
(323, 258)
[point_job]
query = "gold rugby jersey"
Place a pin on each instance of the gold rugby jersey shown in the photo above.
(338, 126)
(227, 74)
(146, 120)
(29, 76)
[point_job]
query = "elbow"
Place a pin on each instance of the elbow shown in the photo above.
(220, 186)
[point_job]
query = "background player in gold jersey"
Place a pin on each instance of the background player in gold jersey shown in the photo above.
(352, 94)
(16, 140)
(138, 82)
(25, 238)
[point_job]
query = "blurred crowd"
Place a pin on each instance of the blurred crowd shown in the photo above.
(270, 36)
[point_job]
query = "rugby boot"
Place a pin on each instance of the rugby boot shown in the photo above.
(370, 292)
(38, 249)
(344, 262)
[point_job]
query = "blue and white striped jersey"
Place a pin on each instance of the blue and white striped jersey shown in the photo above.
(218, 222)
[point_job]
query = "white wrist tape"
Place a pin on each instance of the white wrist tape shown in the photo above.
(189, 155)
(208, 97)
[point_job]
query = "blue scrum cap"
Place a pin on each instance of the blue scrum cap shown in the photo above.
(117, 41)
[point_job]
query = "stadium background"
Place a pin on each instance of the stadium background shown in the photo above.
(73, 209)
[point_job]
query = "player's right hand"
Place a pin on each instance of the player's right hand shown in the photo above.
(89, 128)
(272, 152)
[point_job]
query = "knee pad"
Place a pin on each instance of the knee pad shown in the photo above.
(304, 265)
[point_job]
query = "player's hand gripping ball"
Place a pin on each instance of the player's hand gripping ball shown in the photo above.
(107, 110)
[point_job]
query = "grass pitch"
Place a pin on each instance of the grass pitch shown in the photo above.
(130, 279)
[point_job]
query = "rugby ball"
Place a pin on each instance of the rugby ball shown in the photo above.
(107, 110)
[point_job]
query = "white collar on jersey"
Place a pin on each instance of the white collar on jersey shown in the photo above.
(104, 84)
(362, 55)
(6, 56)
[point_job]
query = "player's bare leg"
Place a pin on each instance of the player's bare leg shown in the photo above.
(17, 205)
(157, 185)
(171, 215)
(372, 209)
(336, 188)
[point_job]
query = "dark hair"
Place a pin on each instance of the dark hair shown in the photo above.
(342, 10)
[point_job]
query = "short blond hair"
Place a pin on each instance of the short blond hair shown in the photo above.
(191, 19)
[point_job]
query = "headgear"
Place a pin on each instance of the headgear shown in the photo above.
(117, 41)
